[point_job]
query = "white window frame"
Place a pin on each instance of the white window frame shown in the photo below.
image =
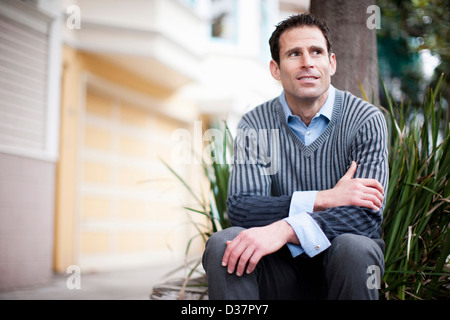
(43, 20)
(234, 40)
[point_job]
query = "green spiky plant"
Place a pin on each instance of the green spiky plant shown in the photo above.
(216, 169)
(416, 216)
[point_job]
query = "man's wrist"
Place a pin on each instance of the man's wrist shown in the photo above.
(288, 232)
(322, 201)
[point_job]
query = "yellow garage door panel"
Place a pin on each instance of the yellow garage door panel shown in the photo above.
(133, 177)
(96, 173)
(170, 152)
(134, 147)
(95, 242)
(95, 208)
(132, 209)
(132, 241)
(136, 117)
(97, 138)
(163, 211)
(167, 127)
(98, 105)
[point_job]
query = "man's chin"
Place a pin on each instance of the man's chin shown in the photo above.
(309, 95)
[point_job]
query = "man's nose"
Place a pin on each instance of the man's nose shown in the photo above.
(306, 61)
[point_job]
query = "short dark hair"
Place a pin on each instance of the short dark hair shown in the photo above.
(297, 21)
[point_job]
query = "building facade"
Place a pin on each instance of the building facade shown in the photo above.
(91, 95)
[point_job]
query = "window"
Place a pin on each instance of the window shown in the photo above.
(28, 92)
(224, 19)
(266, 29)
(189, 3)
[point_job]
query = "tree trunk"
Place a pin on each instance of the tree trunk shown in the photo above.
(354, 44)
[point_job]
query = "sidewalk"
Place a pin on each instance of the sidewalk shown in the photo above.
(134, 284)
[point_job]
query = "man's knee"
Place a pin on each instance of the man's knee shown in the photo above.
(357, 249)
(354, 267)
(216, 245)
(352, 256)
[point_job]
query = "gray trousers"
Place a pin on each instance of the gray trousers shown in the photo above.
(350, 269)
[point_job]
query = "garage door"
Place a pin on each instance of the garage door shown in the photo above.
(130, 206)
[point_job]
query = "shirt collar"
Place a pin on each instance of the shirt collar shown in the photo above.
(326, 110)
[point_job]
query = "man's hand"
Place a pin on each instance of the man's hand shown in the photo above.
(366, 193)
(252, 244)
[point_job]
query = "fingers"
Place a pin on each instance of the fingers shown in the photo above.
(366, 195)
(243, 259)
(370, 201)
(373, 191)
(371, 186)
(231, 255)
(236, 256)
(240, 255)
(372, 183)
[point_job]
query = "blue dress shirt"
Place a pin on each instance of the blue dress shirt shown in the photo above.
(311, 237)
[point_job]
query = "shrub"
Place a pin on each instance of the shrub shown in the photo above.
(416, 216)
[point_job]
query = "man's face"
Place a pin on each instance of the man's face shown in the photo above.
(305, 68)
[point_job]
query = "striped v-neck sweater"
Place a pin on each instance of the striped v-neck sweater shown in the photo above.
(271, 163)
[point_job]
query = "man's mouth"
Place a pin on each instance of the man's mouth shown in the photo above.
(308, 78)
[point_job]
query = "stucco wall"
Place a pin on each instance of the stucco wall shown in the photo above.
(26, 221)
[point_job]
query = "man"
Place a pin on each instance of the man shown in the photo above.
(311, 228)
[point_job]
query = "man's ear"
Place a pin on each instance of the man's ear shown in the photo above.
(332, 64)
(275, 70)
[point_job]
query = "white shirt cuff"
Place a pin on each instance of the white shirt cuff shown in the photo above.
(311, 237)
(302, 201)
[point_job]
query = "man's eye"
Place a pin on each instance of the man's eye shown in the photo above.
(294, 54)
(317, 52)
